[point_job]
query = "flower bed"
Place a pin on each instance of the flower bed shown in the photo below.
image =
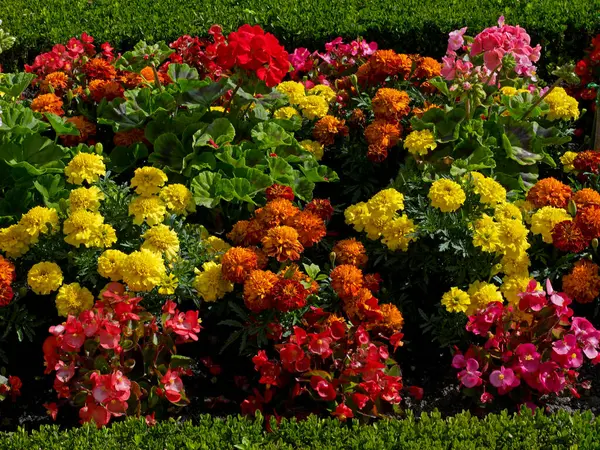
(221, 225)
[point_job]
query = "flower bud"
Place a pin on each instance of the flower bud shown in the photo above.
(594, 244)
(572, 208)
(99, 148)
(332, 257)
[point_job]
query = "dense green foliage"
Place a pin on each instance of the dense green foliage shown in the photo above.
(462, 431)
(415, 26)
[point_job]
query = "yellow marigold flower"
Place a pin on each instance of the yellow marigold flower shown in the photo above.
(513, 236)
(39, 220)
(398, 233)
(73, 299)
(168, 285)
(82, 227)
(562, 105)
(14, 241)
(527, 209)
(358, 216)
(490, 191)
(456, 300)
(44, 277)
(515, 263)
(513, 285)
(313, 107)
(85, 198)
(287, 112)
(507, 210)
(420, 142)
(178, 199)
(376, 225)
(216, 246)
(149, 209)
(210, 284)
(508, 91)
(293, 90)
(482, 293)
(85, 167)
(324, 91)
(217, 108)
(110, 264)
(544, 220)
(147, 181)
(446, 195)
(143, 271)
(386, 203)
(486, 235)
(567, 161)
(162, 240)
(104, 236)
(313, 147)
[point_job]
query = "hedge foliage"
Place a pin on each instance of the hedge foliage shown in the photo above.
(463, 431)
(411, 26)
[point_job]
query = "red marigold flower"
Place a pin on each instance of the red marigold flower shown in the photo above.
(86, 130)
(310, 227)
(129, 137)
(237, 263)
(587, 161)
(567, 236)
(588, 219)
(288, 295)
(377, 153)
(583, 283)
(6, 294)
(550, 192)
(99, 69)
(372, 282)
(279, 191)
(328, 128)
(320, 207)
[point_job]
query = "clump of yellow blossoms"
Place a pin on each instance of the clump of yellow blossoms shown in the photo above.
(178, 199)
(210, 284)
(85, 167)
(562, 105)
(456, 300)
(110, 264)
(44, 277)
(313, 107)
(420, 142)
(313, 147)
(151, 210)
(380, 219)
(480, 294)
(544, 220)
(293, 90)
(73, 299)
(85, 198)
(15, 240)
(88, 228)
(143, 270)
(147, 181)
(567, 161)
(446, 195)
(287, 112)
(490, 191)
(324, 91)
(162, 240)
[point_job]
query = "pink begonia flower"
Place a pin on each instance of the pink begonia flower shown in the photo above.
(529, 358)
(486, 397)
(470, 377)
(300, 59)
(459, 361)
(532, 298)
(566, 345)
(504, 380)
(456, 39)
(551, 380)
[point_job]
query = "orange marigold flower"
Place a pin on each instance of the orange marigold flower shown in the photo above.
(588, 161)
(586, 197)
(282, 243)
(131, 79)
(310, 227)
(237, 235)
(350, 251)
(48, 103)
(362, 306)
(85, 127)
(320, 207)
(328, 128)
(377, 153)
(357, 118)
(7, 271)
(148, 75)
(418, 112)
(262, 259)
(276, 212)
(109, 90)
(293, 272)
(346, 281)
(383, 133)
(279, 191)
(56, 81)
(388, 63)
(129, 137)
(588, 219)
(390, 104)
(427, 68)
(99, 69)
(288, 295)
(257, 290)
(237, 263)
(255, 232)
(567, 236)
(549, 192)
(391, 320)
(583, 283)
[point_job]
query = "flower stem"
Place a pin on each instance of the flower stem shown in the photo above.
(539, 100)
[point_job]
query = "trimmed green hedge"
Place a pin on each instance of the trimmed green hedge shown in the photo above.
(525, 431)
(562, 27)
